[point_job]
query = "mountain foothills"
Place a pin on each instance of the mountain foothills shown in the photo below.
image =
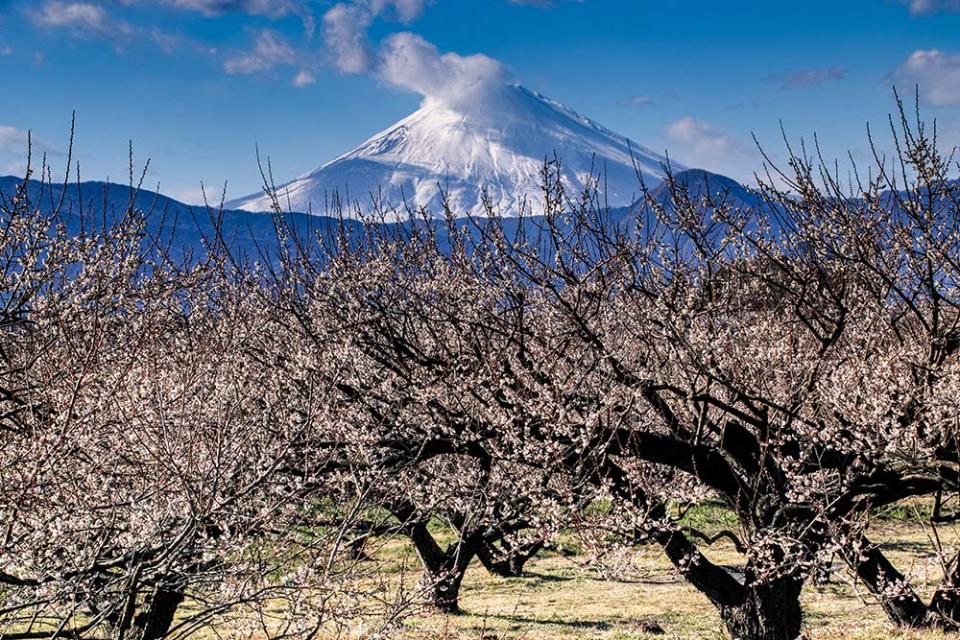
(189, 229)
(496, 145)
(491, 155)
(185, 230)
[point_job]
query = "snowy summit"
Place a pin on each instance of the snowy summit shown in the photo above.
(496, 140)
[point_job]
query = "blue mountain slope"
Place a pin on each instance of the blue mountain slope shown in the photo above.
(187, 228)
(700, 183)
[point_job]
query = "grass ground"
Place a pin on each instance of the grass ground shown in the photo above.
(562, 598)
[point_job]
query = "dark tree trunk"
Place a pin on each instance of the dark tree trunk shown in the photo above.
(157, 614)
(751, 610)
(444, 585)
(356, 549)
(443, 570)
(768, 611)
(877, 572)
(906, 609)
(509, 561)
(945, 604)
(945, 608)
(152, 620)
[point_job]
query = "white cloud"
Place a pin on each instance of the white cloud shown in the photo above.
(91, 20)
(273, 9)
(82, 15)
(173, 43)
(404, 10)
(5, 51)
(406, 60)
(345, 29)
(808, 78)
(410, 62)
(13, 149)
(925, 7)
(191, 195)
(270, 50)
(303, 79)
(639, 101)
(936, 73)
(269, 8)
(703, 145)
(81, 18)
(12, 139)
(699, 134)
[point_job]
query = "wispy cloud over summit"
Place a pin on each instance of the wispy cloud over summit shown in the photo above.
(406, 60)
(409, 62)
(345, 29)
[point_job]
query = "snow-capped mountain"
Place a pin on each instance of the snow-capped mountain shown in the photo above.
(498, 145)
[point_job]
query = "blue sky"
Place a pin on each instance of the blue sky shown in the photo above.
(196, 84)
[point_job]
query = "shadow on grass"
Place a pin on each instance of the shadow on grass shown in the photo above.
(543, 577)
(924, 547)
(597, 625)
(652, 580)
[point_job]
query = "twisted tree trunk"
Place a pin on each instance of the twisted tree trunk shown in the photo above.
(768, 611)
(157, 614)
(752, 608)
(899, 601)
(509, 561)
(443, 569)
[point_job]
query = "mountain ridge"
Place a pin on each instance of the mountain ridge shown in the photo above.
(189, 227)
(459, 153)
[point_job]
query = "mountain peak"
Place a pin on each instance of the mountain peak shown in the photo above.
(497, 142)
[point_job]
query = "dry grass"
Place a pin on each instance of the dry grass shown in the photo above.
(562, 598)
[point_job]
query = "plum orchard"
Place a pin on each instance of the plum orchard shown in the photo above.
(795, 358)
(158, 474)
(224, 435)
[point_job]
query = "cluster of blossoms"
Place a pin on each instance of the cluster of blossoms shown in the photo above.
(192, 443)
